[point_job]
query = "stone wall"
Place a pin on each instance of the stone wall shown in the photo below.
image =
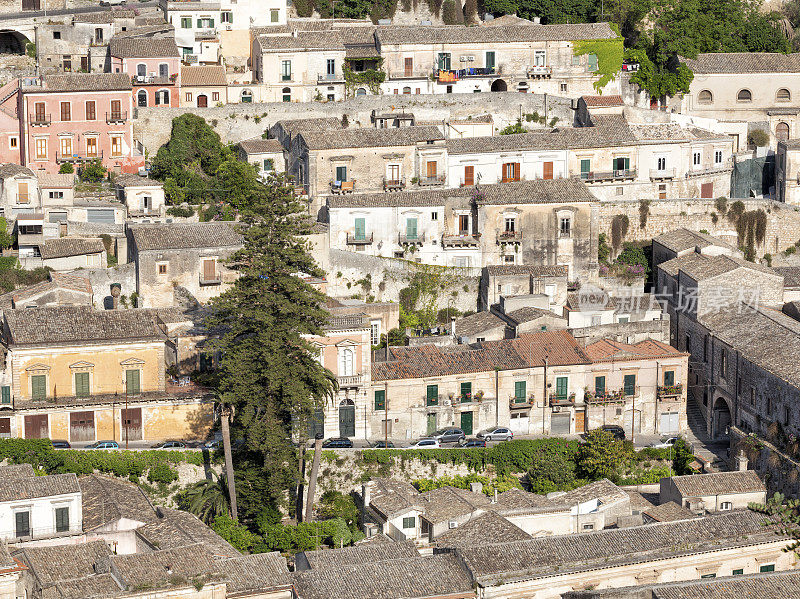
(235, 122)
(102, 278)
(783, 222)
(352, 274)
(780, 471)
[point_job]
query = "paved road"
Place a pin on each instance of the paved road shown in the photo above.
(29, 14)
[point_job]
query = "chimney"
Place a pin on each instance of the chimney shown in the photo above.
(453, 327)
(366, 489)
(537, 20)
(741, 461)
(494, 500)
(476, 487)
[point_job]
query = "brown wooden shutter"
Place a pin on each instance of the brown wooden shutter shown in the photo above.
(116, 109)
(208, 269)
(431, 169)
(22, 194)
(409, 67)
(469, 175)
(517, 171)
(548, 170)
(66, 111)
(707, 190)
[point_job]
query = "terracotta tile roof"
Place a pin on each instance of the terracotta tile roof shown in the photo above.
(438, 576)
(107, 499)
(83, 82)
(526, 351)
(459, 34)
(203, 76)
(317, 40)
(363, 553)
(312, 125)
(718, 483)
(63, 562)
(160, 569)
(480, 322)
(603, 490)
(69, 281)
(530, 313)
(55, 181)
(517, 499)
(520, 192)
(257, 145)
(78, 324)
(681, 240)
(791, 275)
(477, 531)
(669, 512)
(31, 487)
(143, 47)
(390, 497)
(371, 138)
(521, 560)
(14, 471)
(701, 267)
(258, 572)
(506, 20)
(744, 62)
(184, 236)
(527, 269)
(64, 247)
(603, 101)
(134, 180)
(608, 350)
(176, 528)
(447, 503)
(147, 29)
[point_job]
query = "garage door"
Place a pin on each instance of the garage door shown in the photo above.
(36, 426)
(631, 421)
(81, 426)
(559, 424)
(100, 215)
(131, 428)
(519, 423)
(668, 423)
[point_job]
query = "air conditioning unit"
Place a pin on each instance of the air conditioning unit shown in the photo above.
(141, 78)
(452, 524)
(556, 409)
(447, 402)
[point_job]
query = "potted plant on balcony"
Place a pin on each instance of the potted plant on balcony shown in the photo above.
(479, 396)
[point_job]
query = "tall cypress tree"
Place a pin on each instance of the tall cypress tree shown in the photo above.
(268, 372)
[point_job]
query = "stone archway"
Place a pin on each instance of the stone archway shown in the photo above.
(721, 419)
(13, 42)
(499, 85)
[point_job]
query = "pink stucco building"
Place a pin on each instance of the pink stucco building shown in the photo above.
(153, 65)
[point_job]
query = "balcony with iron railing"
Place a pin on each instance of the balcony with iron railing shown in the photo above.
(603, 397)
(717, 167)
(562, 399)
(670, 392)
(77, 157)
(431, 181)
(212, 278)
(40, 119)
(615, 175)
(415, 239)
(330, 78)
(342, 187)
(353, 239)
(521, 403)
(661, 174)
(153, 79)
(539, 72)
(463, 239)
(116, 117)
(453, 75)
(509, 237)
(394, 184)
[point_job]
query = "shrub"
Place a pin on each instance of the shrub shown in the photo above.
(159, 473)
(182, 211)
(235, 533)
(602, 456)
(93, 172)
(66, 169)
(758, 138)
(551, 472)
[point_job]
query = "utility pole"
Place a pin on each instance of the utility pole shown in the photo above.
(546, 399)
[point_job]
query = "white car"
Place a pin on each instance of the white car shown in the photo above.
(666, 443)
(425, 444)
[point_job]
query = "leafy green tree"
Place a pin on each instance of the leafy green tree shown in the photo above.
(682, 458)
(66, 169)
(93, 172)
(268, 370)
(601, 456)
(6, 238)
(338, 505)
(207, 499)
(238, 179)
(513, 128)
(659, 80)
(634, 255)
(236, 534)
(551, 471)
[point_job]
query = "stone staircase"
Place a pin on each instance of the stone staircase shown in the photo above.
(703, 445)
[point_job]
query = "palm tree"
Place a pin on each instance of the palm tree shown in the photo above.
(225, 415)
(208, 498)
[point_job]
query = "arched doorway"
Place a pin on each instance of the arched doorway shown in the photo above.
(498, 85)
(13, 42)
(202, 101)
(347, 418)
(141, 98)
(782, 132)
(721, 419)
(361, 92)
(247, 96)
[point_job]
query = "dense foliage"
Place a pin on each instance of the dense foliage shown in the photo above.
(490, 485)
(12, 275)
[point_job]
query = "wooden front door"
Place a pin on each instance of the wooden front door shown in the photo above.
(409, 67)
(202, 101)
(430, 169)
(548, 170)
(209, 269)
(81, 426)
(36, 427)
(469, 175)
(116, 109)
(466, 422)
(580, 421)
(707, 190)
(131, 424)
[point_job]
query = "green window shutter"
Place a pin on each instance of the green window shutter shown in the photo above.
(767, 568)
(341, 173)
(629, 384)
(562, 384)
(361, 229)
(490, 60)
(466, 392)
(586, 167)
(132, 382)
(62, 519)
(6, 394)
(82, 384)
(410, 522)
(519, 391)
(669, 378)
(411, 228)
(600, 386)
(22, 520)
(433, 395)
(626, 164)
(738, 572)
(380, 399)
(39, 386)
(592, 62)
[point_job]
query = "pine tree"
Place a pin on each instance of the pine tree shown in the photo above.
(268, 370)
(471, 12)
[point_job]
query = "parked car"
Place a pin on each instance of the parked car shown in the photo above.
(615, 430)
(665, 443)
(103, 445)
(449, 435)
(58, 444)
(474, 443)
(169, 445)
(383, 445)
(427, 443)
(338, 443)
(496, 433)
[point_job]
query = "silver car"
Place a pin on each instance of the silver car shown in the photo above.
(496, 433)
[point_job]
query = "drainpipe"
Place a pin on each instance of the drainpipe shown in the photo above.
(496, 397)
(544, 402)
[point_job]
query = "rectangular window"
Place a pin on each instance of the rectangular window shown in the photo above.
(669, 378)
(39, 386)
(408, 67)
(565, 227)
(708, 576)
(360, 229)
(539, 58)
(66, 111)
(22, 193)
(510, 172)
(22, 524)
(600, 386)
(490, 61)
(40, 148)
(410, 522)
(469, 176)
(90, 111)
(133, 382)
(629, 384)
(65, 146)
(13, 142)
(562, 387)
(269, 164)
(725, 506)
(375, 332)
(82, 384)
(696, 158)
(62, 519)
(661, 163)
(116, 109)
(466, 392)
(162, 269)
(91, 147)
(520, 391)
(622, 163)
(586, 168)
(286, 70)
(274, 15)
(215, 96)
(116, 146)
(188, 96)
(737, 572)
(380, 399)
(226, 17)
(444, 61)
(5, 394)
(592, 63)
(341, 173)
(330, 67)
(186, 22)
(432, 395)
(718, 157)
(767, 568)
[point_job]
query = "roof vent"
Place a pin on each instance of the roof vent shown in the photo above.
(452, 524)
